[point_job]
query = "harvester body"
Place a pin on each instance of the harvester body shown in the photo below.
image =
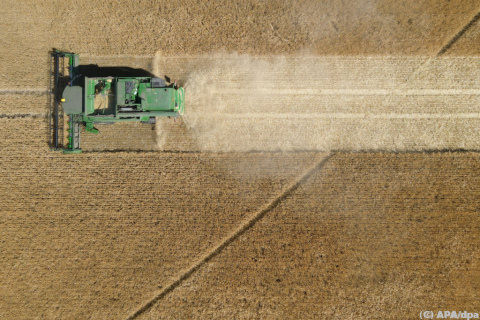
(109, 99)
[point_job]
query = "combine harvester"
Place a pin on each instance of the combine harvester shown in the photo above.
(103, 100)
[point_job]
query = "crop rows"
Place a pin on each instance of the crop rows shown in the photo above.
(381, 234)
(97, 233)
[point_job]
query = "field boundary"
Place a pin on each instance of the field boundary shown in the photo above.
(445, 150)
(248, 224)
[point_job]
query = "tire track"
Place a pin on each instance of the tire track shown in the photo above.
(23, 115)
(36, 91)
(233, 236)
(339, 115)
(458, 35)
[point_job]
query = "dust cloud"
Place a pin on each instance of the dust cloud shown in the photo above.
(227, 104)
(239, 103)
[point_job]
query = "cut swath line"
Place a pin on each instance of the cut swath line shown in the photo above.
(274, 91)
(233, 236)
(350, 92)
(22, 115)
(322, 92)
(335, 115)
(24, 91)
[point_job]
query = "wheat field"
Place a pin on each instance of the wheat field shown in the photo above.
(326, 166)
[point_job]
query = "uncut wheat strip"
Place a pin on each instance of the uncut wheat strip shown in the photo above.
(248, 224)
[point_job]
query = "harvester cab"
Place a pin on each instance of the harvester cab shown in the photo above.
(103, 99)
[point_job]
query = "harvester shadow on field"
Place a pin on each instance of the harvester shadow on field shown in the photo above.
(93, 70)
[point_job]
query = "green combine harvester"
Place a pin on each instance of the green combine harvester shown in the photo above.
(88, 101)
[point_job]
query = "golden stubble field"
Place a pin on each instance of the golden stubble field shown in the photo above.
(127, 230)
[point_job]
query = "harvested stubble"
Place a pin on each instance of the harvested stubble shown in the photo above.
(121, 136)
(307, 102)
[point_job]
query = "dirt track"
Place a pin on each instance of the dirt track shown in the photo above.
(193, 234)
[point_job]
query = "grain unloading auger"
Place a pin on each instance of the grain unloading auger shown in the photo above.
(105, 99)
